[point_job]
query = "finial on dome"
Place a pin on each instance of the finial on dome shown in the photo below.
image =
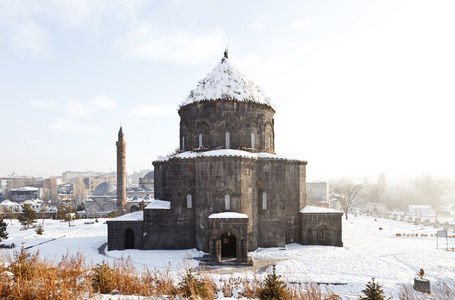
(226, 53)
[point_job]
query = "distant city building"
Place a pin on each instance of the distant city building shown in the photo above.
(8, 205)
(147, 181)
(104, 199)
(133, 178)
(36, 204)
(20, 182)
(94, 181)
(24, 193)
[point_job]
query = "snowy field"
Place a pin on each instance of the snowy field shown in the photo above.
(368, 252)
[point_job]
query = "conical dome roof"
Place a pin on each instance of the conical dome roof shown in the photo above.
(226, 82)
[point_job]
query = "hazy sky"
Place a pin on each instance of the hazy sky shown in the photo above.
(359, 87)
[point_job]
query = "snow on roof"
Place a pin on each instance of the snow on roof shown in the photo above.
(25, 188)
(223, 152)
(228, 83)
(419, 206)
(318, 210)
(139, 199)
(8, 202)
(159, 204)
(228, 215)
(33, 201)
(134, 216)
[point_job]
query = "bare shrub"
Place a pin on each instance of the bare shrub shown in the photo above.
(191, 285)
(35, 278)
(443, 292)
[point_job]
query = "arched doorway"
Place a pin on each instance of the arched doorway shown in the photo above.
(322, 235)
(228, 245)
(129, 239)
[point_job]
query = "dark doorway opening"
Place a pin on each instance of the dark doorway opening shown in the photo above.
(322, 235)
(129, 239)
(228, 245)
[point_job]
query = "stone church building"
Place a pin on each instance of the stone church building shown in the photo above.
(226, 192)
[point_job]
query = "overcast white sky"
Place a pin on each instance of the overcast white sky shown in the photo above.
(359, 87)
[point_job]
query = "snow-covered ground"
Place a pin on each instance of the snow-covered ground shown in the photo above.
(368, 252)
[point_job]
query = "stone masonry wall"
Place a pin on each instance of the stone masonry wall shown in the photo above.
(210, 179)
(174, 181)
(214, 118)
(279, 223)
(116, 234)
(215, 178)
(331, 223)
(164, 229)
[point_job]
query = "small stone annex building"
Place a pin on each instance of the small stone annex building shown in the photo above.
(226, 192)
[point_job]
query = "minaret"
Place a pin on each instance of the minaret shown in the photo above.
(121, 173)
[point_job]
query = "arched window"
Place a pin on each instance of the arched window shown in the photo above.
(183, 143)
(264, 200)
(321, 233)
(227, 202)
(270, 143)
(228, 141)
(253, 140)
(189, 201)
(200, 140)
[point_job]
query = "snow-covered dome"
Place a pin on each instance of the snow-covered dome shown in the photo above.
(105, 189)
(228, 83)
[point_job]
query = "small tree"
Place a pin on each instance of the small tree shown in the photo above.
(192, 286)
(373, 291)
(103, 278)
(39, 229)
(28, 216)
(348, 194)
(112, 214)
(24, 263)
(433, 189)
(80, 206)
(64, 212)
(11, 215)
(273, 287)
(142, 205)
(3, 233)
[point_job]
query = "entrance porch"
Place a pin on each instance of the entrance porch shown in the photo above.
(228, 238)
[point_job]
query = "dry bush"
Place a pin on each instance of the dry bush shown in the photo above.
(196, 286)
(36, 278)
(250, 288)
(72, 278)
(443, 292)
(161, 283)
(312, 291)
(408, 293)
